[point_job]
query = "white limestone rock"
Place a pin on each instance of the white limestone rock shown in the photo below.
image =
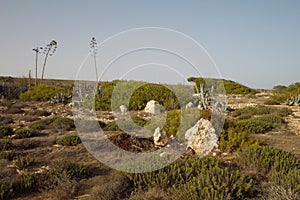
(202, 137)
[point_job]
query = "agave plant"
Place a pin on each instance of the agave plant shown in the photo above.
(293, 100)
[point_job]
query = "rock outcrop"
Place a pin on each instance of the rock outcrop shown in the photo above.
(202, 137)
(123, 109)
(159, 137)
(153, 107)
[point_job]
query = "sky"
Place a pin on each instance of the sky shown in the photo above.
(256, 43)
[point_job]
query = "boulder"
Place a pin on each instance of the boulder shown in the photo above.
(123, 109)
(159, 137)
(189, 105)
(153, 107)
(202, 137)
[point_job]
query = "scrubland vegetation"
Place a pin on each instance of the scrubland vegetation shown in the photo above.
(42, 155)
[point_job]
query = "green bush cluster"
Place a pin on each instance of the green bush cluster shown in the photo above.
(39, 113)
(24, 133)
(68, 140)
(220, 85)
(258, 119)
(56, 123)
(43, 93)
(5, 131)
(280, 167)
(272, 102)
(5, 144)
(196, 178)
(139, 98)
(73, 169)
(260, 124)
(260, 110)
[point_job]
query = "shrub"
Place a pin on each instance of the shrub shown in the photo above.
(266, 159)
(9, 155)
(260, 124)
(231, 140)
(24, 133)
(42, 93)
(5, 120)
(196, 178)
(5, 144)
(272, 102)
(260, 110)
(68, 140)
(22, 162)
(6, 190)
(14, 110)
(62, 187)
(115, 189)
(5, 131)
(63, 123)
(72, 169)
(39, 113)
(55, 123)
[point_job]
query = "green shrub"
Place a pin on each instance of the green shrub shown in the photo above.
(9, 155)
(230, 87)
(260, 110)
(260, 124)
(22, 162)
(39, 113)
(68, 140)
(6, 190)
(266, 159)
(55, 123)
(72, 169)
(5, 131)
(42, 124)
(63, 123)
(42, 93)
(5, 144)
(272, 102)
(231, 140)
(114, 189)
(24, 133)
(196, 178)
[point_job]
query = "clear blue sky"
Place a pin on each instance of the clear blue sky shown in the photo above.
(256, 43)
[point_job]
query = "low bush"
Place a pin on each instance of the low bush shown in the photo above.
(68, 140)
(260, 110)
(5, 131)
(55, 123)
(6, 190)
(115, 189)
(73, 169)
(231, 140)
(260, 124)
(42, 93)
(63, 123)
(39, 113)
(272, 102)
(5, 120)
(22, 162)
(5, 144)
(24, 133)
(266, 160)
(197, 178)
